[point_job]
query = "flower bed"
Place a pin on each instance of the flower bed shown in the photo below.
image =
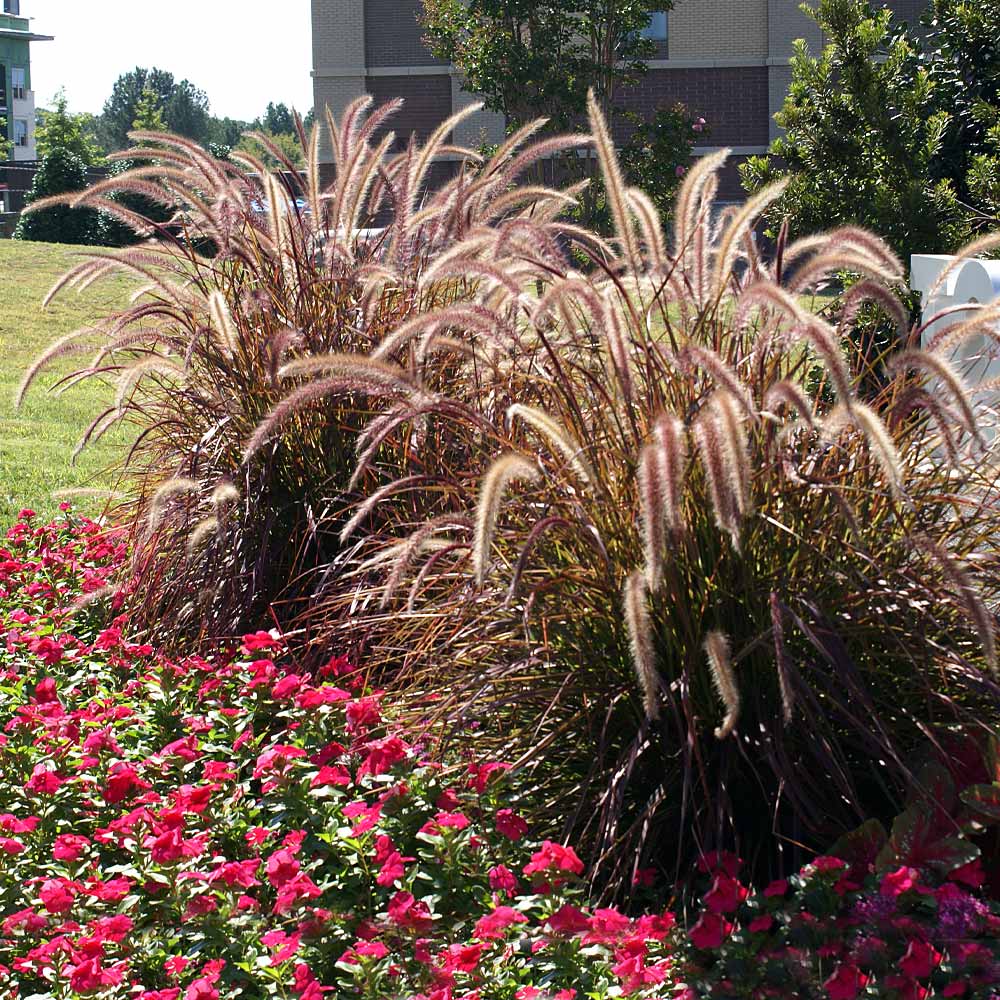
(206, 829)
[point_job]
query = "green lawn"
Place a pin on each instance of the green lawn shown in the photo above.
(37, 442)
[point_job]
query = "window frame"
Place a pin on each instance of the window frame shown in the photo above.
(22, 139)
(18, 92)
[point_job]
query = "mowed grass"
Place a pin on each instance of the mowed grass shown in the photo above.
(37, 442)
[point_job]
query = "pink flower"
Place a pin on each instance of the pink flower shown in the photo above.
(777, 888)
(761, 923)
(510, 825)
(680, 170)
(846, 982)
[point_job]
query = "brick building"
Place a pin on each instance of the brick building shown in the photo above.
(727, 60)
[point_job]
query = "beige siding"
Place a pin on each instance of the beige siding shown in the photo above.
(719, 29)
(785, 23)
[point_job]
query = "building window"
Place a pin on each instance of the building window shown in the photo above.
(3, 86)
(17, 84)
(12, 6)
(656, 30)
(20, 132)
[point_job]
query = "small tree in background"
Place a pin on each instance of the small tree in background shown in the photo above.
(148, 118)
(528, 59)
(61, 170)
(889, 130)
(149, 113)
(59, 128)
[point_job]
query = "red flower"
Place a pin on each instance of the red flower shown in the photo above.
(554, 857)
(510, 825)
(90, 975)
(761, 924)
(389, 860)
(461, 958)
(710, 931)
(201, 989)
(568, 920)
(725, 895)
(901, 880)
(846, 982)
(502, 880)
(69, 847)
(282, 867)
(43, 781)
(175, 965)
(606, 926)
(57, 895)
(493, 925)
(47, 650)
(413, 914)
(382, 755)
(261, 640)
(920, 960)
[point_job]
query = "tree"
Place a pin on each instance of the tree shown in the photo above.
(277, 120)
(59, 128)
(60, 171)
(528, 58)
(891, 131)
(288, 144)
(149, 113)
(185, 108)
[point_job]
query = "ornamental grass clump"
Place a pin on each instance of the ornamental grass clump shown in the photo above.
(256, 349)
(721, 586)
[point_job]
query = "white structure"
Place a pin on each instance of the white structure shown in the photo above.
(972, 282)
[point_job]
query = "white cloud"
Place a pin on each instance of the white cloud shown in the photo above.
(242, 53)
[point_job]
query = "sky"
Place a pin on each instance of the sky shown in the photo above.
(242, 53)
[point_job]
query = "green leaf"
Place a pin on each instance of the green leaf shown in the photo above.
(984, 800)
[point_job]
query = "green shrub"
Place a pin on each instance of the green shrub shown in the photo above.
(719, 595)
(60, 171)
(891, 128)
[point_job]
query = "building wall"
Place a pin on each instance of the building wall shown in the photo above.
(718, 29)
(732, 99)
(911, 11)
(16, 52)
(393, 35)
(428, 103)
(727, 60)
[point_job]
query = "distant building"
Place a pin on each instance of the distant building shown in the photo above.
(17, 99)
(726, 60)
